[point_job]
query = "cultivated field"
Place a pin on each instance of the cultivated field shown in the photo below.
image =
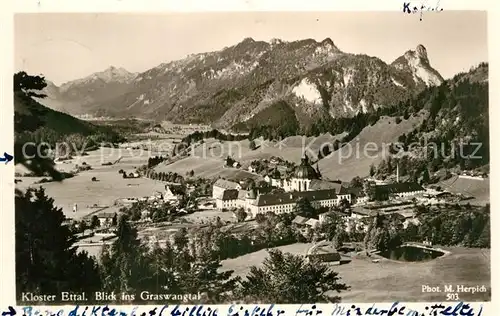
(389, 281)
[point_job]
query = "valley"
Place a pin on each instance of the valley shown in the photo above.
(261, 161)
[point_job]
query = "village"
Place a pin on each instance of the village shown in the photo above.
(192, 203)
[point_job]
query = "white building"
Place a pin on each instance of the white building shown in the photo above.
(173, 193)
(228, 200)
(281, 203)
(402, 189)
(222, 185)
(105, 219)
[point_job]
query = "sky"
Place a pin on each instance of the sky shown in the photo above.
(68, 46)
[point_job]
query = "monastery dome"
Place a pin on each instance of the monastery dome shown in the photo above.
(305, 170)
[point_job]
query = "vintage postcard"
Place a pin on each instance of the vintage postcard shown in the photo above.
(273, 157)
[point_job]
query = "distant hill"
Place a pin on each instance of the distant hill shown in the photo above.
(231, 86)
(78, 96)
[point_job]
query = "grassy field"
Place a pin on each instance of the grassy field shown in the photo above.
(104, 192)
(353, 160)
(207, 160)
(241, 265)
(389, 281)
(479, 189)
(202, 217)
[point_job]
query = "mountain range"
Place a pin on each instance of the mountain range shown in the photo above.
(307, 78)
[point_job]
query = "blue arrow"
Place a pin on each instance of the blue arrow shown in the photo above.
(6, 157)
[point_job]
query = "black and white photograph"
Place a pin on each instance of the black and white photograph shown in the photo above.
(251, 157)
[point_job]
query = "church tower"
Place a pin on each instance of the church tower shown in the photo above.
(303, 175)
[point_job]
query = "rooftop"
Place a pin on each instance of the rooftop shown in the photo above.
(305, 170)
(323, 247)
(299, 220)
(230, 195)
(401, 187)
(105, 215)
(225, 184)
(293, 197)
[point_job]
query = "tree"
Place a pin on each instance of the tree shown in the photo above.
(191, 173)
(330, 225)
(344, 205)
(29, 85)
(372, 170)
(484, 240)
(114, 221)
(425, 176)
(26, 87)
(339, 239)
(180, 238)
(260, 218)
(288, 279)
(124, 264)
(94, 222)
(305, 208)
(83, 226)
(356, 182)
(46, 261)
(241, 215)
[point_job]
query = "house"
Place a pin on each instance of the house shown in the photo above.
(360, 212)
(252, 169)
(400, 189)
(228, 200)
(236, 164)
(221, 185)
(323, 217)
(145, 215)
(299, 220)
(313, 223)
(324, 251)
(173, 193)
(357, 195)
(105, 219)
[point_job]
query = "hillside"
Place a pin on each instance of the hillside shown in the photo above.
(29, 116)
(231, 86)
(478, 188)
(444, 116)
(455, 133)
(36, 123)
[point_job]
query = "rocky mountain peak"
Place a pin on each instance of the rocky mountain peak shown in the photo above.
(248, 40)
(417, 62)
(328, 43)
(421, 51)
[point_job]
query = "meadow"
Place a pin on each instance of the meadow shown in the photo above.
(477, 188)
(389, 281)
(207, 159)
(109, 187)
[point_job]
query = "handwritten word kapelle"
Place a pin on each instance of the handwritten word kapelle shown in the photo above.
(410, 8)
